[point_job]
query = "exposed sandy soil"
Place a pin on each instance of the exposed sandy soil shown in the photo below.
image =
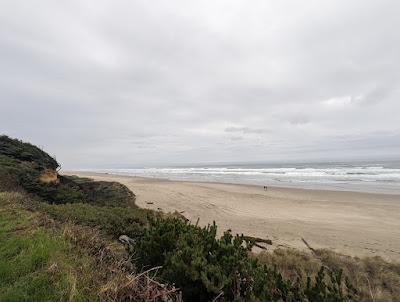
(361, 224)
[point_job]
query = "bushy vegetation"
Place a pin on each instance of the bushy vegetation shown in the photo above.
(53, 193)
(103, 193)
(26, 152)
(114, 221)
(206, 267)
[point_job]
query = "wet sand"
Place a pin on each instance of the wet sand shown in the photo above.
(353, 223)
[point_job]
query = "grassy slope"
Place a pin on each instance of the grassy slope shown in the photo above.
(38, 263)
(71, 258)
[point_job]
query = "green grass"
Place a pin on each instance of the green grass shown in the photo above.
(38, 263)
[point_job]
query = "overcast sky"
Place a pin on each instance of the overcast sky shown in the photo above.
(127, 83)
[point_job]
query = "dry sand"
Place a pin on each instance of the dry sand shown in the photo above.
(361, 224)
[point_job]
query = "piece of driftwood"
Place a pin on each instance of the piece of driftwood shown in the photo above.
(315, 253)
(260, 246)
(258, 240)
(149, 202)
(309, 246)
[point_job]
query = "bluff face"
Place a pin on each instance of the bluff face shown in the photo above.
(23, 165)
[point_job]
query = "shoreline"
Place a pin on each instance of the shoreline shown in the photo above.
(289, 188)
(368, 179)
(353, 223)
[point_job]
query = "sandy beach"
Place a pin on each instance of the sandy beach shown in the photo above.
(358, 224)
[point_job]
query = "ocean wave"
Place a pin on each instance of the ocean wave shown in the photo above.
(336, 175)
(364, 173)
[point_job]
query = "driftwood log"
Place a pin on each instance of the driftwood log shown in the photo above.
(258, 240)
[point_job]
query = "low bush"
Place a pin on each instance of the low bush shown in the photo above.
(205, 267)
(111, 220)
(102, 193)
(55, 193)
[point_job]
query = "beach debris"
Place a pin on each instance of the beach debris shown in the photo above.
(124, 239)
(149, 202)
(315, 253)
(159, 209)
(309, 247)
(256, 241)
(260, 246)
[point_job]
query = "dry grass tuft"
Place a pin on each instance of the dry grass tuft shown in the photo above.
(375, 279)
(115, 270)
(141, 287)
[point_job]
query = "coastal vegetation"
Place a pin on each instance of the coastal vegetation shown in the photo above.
(58, 242)
(206, 267)
(25, 166)
(37, 262)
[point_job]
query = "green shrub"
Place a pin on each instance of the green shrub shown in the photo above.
(114, 221)
(204, 267)
(57, 193)
(102, 193)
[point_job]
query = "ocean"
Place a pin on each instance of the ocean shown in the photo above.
(374, 177)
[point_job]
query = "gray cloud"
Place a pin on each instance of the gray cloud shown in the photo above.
(246, 130)
(136, 83)
(298, 119)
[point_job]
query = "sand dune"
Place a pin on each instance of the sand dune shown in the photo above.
(361, 224)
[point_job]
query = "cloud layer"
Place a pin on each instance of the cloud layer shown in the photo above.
(125, 83)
